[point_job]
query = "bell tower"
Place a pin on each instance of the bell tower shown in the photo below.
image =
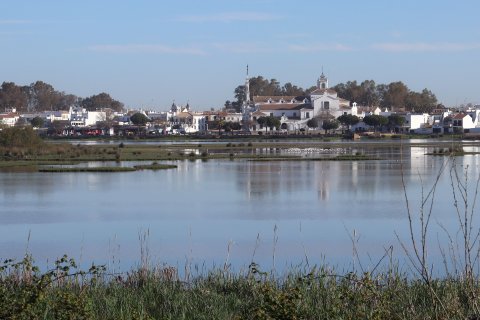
(322, 82)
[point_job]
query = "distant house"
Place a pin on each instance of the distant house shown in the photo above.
(9, 119)
(80, 117)
(458, 123)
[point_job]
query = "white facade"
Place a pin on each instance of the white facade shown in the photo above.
(325, 101)
(234, 117)
(9, 119)
(80, 117)
(417, 121)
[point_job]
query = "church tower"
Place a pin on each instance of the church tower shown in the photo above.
(174, 107)
(247, 89)
(322, 82)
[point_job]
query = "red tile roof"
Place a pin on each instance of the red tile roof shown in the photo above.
(285, 106)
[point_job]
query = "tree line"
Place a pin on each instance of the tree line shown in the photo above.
(395, 95)
(41, 96)
(347, 120)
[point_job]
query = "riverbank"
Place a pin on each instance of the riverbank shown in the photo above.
(159, 293)
(36, 158)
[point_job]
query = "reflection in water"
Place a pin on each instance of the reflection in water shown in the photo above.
(201, 206)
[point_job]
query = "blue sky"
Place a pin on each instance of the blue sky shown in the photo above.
(149, 53)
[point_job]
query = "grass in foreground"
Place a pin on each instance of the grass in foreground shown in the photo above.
(158, 293)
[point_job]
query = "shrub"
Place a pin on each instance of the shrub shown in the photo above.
(20, 137)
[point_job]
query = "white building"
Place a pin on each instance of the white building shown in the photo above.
(294, 111)
(9, 119)
(325, 101)
(184, 120)
(80, 117)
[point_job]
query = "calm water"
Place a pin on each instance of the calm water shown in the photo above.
(207, 213)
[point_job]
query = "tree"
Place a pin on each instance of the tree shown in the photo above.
(369, 94)
(395, 120)
(230, 126)
(102, 100)
(395, 96)
(348, 120)
(289, 89)
(37, 122)
(260, 86)
(312, 123)
(375, 121)
(12, 96)
(329, 125)
(139, 119)
(273, 122)
(262, 122)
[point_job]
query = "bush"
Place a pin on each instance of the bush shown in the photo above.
(20, 137)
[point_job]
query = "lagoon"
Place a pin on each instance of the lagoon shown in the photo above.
(231, 212)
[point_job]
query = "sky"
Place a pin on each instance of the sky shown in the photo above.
(148, 54)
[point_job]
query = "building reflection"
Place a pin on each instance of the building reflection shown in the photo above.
(359, 179)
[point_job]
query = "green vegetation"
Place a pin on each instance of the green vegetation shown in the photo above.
(452, 150)
(328, 125)
(155, 166)
(348, 120)
(86, 169)
(312, 123)
(37, 122)
(66, 292)
(19, 138)
(375, 121)
(269, 122)
(21, 147)
(43, 96)
(139, 119)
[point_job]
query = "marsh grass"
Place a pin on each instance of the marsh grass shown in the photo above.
(155, 166)
(86, 169)
(159, 293)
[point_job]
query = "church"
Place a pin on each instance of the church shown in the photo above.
(294, 112)
(325, 101)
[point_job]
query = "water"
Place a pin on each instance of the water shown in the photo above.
(277, 214)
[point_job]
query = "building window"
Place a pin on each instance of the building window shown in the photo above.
(294, 114)
(326, 105)
(307, 115)
(271, 114)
